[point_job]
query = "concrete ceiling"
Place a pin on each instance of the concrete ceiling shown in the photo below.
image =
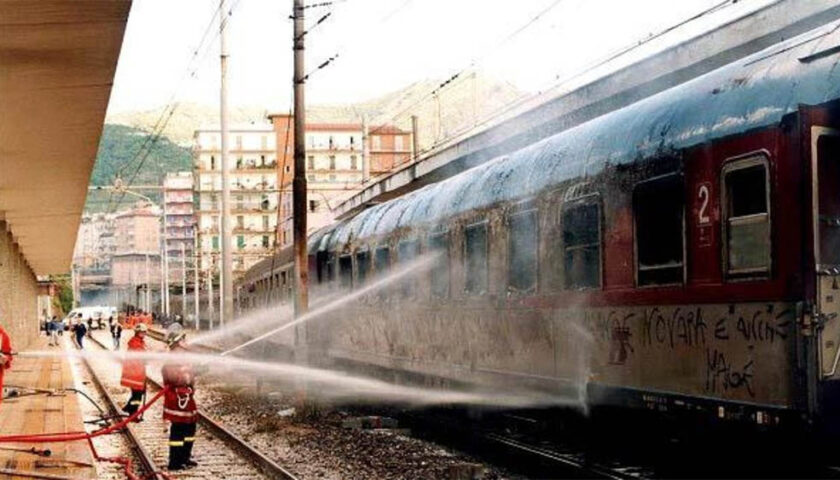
(57, 63)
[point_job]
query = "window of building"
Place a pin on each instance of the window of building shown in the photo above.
(265, 204)
(582, 245)
(352, 142)
(216, 223)
(522, 251)
(376, 142)
(215, 243)
(345, 271)
(240, 241)
(362, 267)
(313, 205)
(439, 247)
(262, 160)
(212, 162)
(239, 162)
(240, 222)
(265, 241)
(214, 202)
(288, 168)
(332, 162)
(354, 165)
(398, 142)
(747, 218)
(658, 207)
(332, 177)
(475, 254)
(310, 162)
(310, 178)
(240, 202)
(265, 223)
(331, 142)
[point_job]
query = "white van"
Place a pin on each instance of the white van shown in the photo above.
(97, 315)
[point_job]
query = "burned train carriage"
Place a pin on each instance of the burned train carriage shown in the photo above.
(682, 252)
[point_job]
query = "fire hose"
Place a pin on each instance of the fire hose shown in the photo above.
(75, 436)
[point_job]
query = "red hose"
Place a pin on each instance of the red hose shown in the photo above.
(126, 463)
(73, 436)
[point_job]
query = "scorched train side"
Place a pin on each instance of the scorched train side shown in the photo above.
(680, 253)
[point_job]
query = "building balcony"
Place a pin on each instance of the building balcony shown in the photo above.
(247, 168)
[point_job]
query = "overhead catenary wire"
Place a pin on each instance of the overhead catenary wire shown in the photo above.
(555, 83)
(172, 105)
(460, 72)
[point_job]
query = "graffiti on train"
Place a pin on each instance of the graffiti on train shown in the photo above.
(723, 374)
(723, 337)
(678, 327)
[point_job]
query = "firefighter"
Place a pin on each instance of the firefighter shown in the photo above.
(5, 356)
(179, 405)
(134, 371)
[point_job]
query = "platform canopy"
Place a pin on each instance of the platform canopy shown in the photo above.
(57, 64)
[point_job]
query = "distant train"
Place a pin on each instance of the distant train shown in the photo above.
(681, 253)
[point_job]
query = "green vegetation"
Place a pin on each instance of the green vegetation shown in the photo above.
(63, 302)
(118, 147)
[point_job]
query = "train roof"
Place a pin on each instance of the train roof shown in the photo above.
(756, 91)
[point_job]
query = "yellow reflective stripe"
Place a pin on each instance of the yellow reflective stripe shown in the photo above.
(135, 402)
(189, 439)
(176, 444)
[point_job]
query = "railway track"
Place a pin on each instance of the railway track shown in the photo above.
(219, 452)
(553, 458)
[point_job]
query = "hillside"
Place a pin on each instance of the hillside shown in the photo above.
(461, 104)
(119, 146)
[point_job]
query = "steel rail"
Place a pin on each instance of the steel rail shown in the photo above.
(264, 464)
(148, 464)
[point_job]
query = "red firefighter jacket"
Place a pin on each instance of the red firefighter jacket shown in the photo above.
(133, 370)
(6, 352)
(179, 401)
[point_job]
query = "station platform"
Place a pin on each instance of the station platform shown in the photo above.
(42, 413)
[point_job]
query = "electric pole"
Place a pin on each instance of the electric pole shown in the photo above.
(299, 181)
(196, 280)
(183, 284)
(226, 297)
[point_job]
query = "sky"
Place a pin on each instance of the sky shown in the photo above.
(382, 45)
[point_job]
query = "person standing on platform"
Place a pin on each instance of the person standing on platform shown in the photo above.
(80, 331)
(52, 330)
(5, 356)
(179, 405)
(134, 370)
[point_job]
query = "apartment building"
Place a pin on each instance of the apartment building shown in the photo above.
(136, 258)
(179, 213)
(254, 194)
(335, 165)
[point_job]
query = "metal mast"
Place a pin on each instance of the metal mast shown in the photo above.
(226, 313)
(299, 181)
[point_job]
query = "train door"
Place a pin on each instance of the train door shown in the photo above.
(825, 151)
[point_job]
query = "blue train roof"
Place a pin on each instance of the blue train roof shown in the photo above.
(754, 92)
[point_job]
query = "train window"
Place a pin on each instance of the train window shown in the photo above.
(362, 267)
(439, 246)
(747, 221)
(382, 260)
(522, 251)
(407, 252)
(475, 253)
(582, 245)
(658, 207)
(345, 272)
